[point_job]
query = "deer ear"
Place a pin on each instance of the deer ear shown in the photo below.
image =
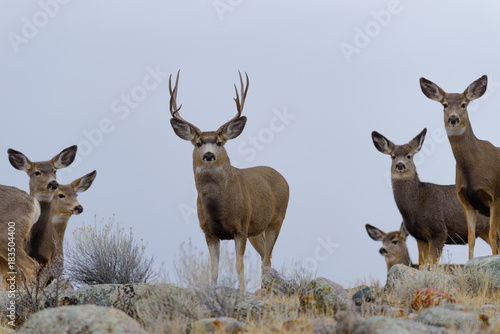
(431, 90)
(418, 141)
(477, 88)
(404, 232)
(382, 144)
(82, 184)
(183, 130)
(19, 160)
(65, 158)
(234, 129)
(375, 233)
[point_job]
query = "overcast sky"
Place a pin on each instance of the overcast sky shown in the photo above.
(323, 76)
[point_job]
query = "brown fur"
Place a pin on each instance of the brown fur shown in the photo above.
(233, 203)
(478, 161)
(432, 213)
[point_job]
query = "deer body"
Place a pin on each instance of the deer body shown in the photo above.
(232, 203)
(477, 161)
(432, 213)
(17, 207)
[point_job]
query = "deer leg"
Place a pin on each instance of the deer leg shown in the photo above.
(494, 226)
(470, 216)
(271, 237)
(423, 252)
(214, 250)
(240, 243)
(435, 250)
(259, 243)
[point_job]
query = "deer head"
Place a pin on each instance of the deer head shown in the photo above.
(42, 174)
(456, 118)
(394, 247)
(209, 151)
(403, 165)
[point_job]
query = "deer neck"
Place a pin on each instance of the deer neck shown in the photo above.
(213, 178)
(42, 235)
(406, 191)
(465, 147)
(60, 222)
(402, 259)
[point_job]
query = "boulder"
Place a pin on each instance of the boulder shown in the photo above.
(483, 271)
(385, 325)
(249, 307)
(324, 295)
(275, 284)
(81, 319)
(363, 295)
(453, 316)
(427, 297)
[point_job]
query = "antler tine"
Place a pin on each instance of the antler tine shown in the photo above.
(174, 111)
(239, 103)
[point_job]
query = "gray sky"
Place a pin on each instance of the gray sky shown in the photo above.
(323, 75)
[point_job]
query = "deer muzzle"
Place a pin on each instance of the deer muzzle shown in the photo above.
(400, 167)
(78, 209)
(453, 120)
(383, 251)
(209, 156)
(52, 185)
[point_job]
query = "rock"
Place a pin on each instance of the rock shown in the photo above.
(385, 325)
(402, 281)
(249, 306)
(363, 295)
(4, 330)
(323, 294)
(221, 324)
(483, 272)
(321, 326)
(453, 316)
(80, 319)
(347, 321)
(275, 284)
(427, 297)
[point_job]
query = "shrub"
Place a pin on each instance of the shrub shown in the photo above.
(106, 254)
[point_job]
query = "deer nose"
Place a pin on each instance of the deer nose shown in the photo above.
(400, 166)
(79, 209)
(453, 120)
(52, 185)
(209, 156)
(383, 251)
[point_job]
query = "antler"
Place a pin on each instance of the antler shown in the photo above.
(239, 104)
(174, 111)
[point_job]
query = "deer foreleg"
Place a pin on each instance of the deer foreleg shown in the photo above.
(494, 226)
(470, 216)
(214, 250)
(240, 243)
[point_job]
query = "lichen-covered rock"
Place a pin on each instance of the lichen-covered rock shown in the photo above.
(483, 272)
(347, 321)
(385, 325)
(427, 297)
(401, 279)
(275, 284)
(363, 295)
(454, 316)
(323, 294)
(217, 325)
(81, 319)
(249, 306)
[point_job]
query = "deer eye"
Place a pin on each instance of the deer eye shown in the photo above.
(198, 144)
(393, 157)
(219, 143)
(445, 105)
(395, 242)
(61, 196)
(409, 156)
(464, 105)
(37, 173)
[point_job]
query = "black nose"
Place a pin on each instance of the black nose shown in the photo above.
(453, 120)
(209, 156)
(382, 251)
(53, 185)
(400, 166)
(79, 209)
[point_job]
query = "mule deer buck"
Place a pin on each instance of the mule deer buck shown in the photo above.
(232, 203)
(477, 161)
(394, 247)
(18, 213)
(65, 204)
(432, 213)
(41, 243)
